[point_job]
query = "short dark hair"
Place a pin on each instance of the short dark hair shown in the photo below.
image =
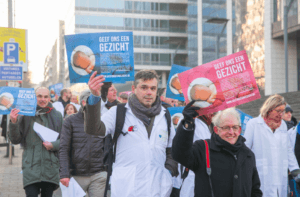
(63, 91)
(145, 75)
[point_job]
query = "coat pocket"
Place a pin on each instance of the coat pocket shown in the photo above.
(123, 182)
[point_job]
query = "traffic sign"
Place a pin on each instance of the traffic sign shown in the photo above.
(11, 53)
(11, 73)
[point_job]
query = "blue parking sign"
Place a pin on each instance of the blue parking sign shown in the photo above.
(11, 53)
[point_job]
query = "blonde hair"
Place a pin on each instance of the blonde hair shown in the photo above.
(227, 112)
(271, 103)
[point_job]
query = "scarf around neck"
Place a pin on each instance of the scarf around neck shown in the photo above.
(41, 111)
(234, 148)
(141, 112)
(63, 102)
(108, 104)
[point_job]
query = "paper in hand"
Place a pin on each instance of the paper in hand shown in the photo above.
(46, 134)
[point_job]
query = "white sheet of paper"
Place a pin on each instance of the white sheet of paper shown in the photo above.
(45, 133)
(74, 189)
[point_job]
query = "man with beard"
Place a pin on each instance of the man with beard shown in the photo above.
(143, 164)
(63, 101)
(40, 162)
(267, 136)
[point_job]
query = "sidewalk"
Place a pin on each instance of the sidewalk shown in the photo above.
(11, 180)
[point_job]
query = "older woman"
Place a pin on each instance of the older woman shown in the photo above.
(267, 136)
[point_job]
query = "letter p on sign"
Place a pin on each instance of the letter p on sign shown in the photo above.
(11, 53)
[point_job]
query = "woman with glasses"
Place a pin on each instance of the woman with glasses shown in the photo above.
(267, 136)
(232, 171)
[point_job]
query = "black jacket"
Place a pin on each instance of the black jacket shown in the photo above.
(80, 154)
(230, 177)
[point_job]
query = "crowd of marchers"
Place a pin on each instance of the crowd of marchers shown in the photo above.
(128, 147)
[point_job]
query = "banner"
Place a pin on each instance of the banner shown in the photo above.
(13, 47)
(110, 54)
(176, 115)
(55, 89)
(174, 90)
(23, 99)
(244, 119)
(220, 84)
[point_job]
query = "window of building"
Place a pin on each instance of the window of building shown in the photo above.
(164, 7)
(138, 22)
(165, 59)
(128, 5)
(154, 57)
(147, 40)
(164, 24)
(146, 23)
(154, 6)
(128, 22)
(146, 58)
(146, 6)
(138, 6)
(137, 40)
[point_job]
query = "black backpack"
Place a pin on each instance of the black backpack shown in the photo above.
(110, 143)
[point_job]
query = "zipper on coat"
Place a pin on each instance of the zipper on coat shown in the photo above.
(32, 157)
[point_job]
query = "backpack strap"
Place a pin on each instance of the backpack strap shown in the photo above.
(120, 119)
(208, 167)
(168, 117)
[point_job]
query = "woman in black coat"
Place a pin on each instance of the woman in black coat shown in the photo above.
(233, 166)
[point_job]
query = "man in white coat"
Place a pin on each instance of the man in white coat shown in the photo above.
(267, 136)
(63, 100)
(143, 166)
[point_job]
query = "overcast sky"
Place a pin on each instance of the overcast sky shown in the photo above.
(41, 19)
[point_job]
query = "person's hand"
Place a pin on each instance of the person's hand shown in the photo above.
(95, 84)
(48, 145)
(189, 112)
(14, 115)
(65, 181)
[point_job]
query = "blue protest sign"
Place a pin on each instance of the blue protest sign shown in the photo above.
(11, 53)
(173, 86)
(55, 89)
(23, 99)
(11, 73)
(244, 119)
(176, 114)
(110, 54)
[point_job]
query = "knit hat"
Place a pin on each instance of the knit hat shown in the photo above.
(288, 109)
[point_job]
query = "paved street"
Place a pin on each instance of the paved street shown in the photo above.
(11, 183)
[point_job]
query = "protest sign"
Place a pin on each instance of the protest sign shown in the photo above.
(244, 119)
(220, 84)
(174, 90)
(110, 54)
(55, 89)
(176, 115)
(23, 99)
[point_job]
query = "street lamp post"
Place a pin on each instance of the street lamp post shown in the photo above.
(285, 38)
(218, 21)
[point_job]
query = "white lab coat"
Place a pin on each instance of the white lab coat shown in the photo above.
(103, 108)
(274, 155)
(139, 169)
(187, 189)
(59, 107)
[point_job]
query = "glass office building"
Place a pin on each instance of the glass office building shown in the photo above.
(159, 28)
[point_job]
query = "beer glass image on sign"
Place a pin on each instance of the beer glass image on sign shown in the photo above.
(203, 91)
(175, 85)
(6, 101)
(83, 60)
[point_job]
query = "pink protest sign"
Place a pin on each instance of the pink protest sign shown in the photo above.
(220, 84)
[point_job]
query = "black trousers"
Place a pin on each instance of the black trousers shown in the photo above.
(46, 189)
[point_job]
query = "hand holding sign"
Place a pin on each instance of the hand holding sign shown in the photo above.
(14, 115)
(95, 84)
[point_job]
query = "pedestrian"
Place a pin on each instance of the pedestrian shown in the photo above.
(267, 136)
(108, 97)
(74, 101)
(232, 171)
(124, 98)
(288, 117)
(143, 163)
(63, 100)
(39, 162)
(81, 155)
(69, 110)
